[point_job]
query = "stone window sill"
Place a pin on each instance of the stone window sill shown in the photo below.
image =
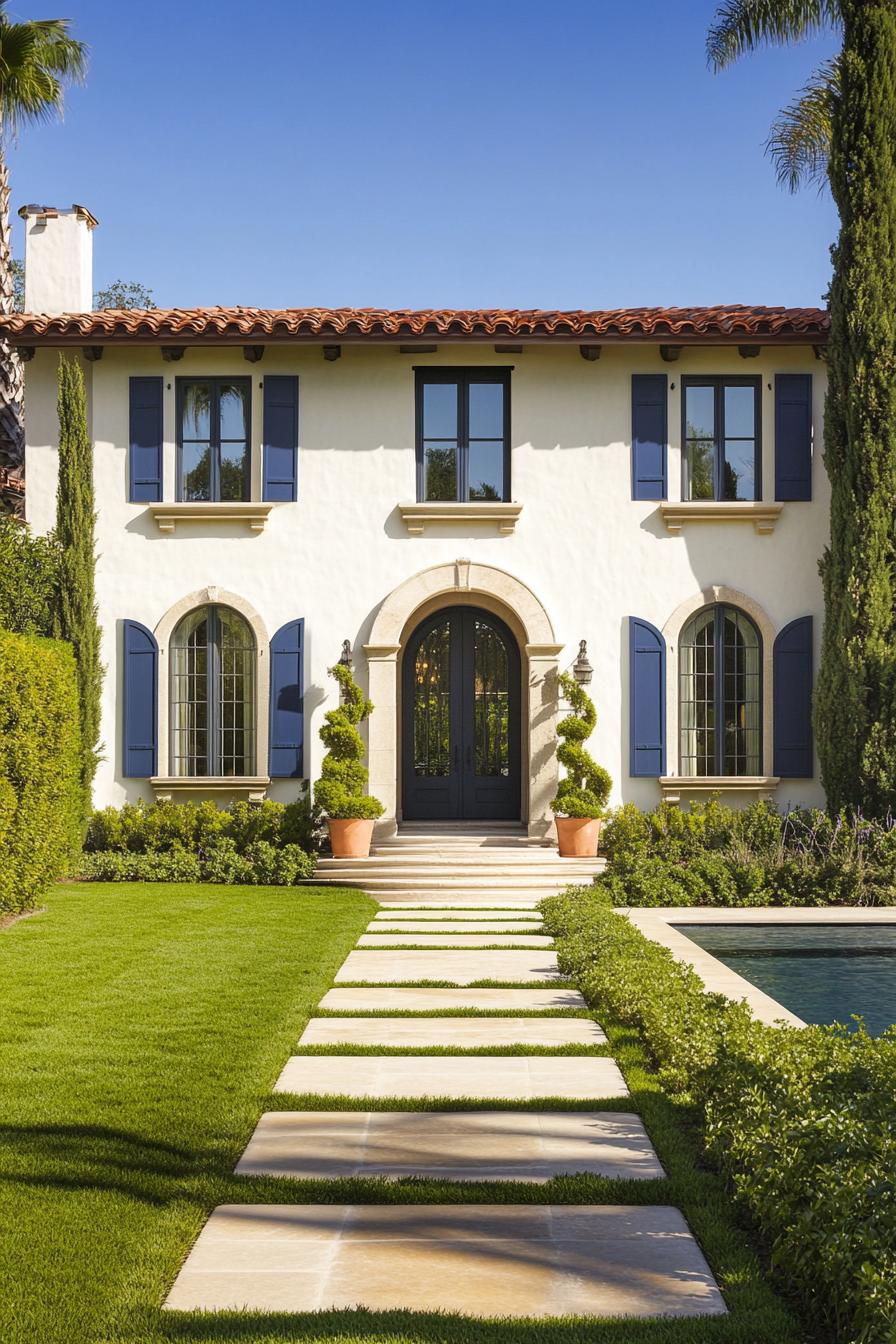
(167, 516)
(674, 787)
(251, 787)
(762, 516)
(418, 517)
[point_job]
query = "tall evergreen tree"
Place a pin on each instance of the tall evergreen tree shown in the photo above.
(855, 706)
(75, 532)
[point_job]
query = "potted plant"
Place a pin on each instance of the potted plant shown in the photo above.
(583, 793)
(341, 789)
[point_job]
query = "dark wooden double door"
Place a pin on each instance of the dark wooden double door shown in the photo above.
(461, 719)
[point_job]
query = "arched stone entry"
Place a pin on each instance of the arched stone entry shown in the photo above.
(465, 583)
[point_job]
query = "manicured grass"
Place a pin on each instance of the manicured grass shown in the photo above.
(141, 1029)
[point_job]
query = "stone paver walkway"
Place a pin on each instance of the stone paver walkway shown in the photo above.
(485, 1260)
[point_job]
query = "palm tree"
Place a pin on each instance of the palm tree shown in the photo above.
(800, 138)
(37, 59)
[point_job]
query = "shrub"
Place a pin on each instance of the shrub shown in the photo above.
(584, 790)
(40, 803)
(262, 865)
(29, 579)
(175, 865)
(341, 790)
(801, 1120)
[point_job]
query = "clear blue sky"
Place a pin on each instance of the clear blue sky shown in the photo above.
(481, 153)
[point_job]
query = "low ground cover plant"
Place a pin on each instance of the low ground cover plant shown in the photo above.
(802, 1121)
(265, 844)
(753, 856)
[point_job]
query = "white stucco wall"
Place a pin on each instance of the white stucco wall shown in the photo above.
(591, 554)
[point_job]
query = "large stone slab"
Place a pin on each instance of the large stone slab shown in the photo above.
(370, 966)
(401, 1000)
(450, 1145)
(441, 915)
(454, 1077)
(467, 901)
(460, 1032)
(478, 1259)
(452, 926)
(455, 940)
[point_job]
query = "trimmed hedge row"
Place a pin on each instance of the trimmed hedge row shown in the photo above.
(755, 856)
(40, 797)
(801, 1120)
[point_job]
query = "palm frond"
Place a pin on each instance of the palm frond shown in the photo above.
(37, 60)
(799, 143)
(740, 26)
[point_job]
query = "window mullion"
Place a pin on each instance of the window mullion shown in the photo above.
(719, 432)
(214, 433)
(719, 689)
(213, 681)
(463, 438)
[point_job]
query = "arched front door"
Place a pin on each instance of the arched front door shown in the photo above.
(461, 719)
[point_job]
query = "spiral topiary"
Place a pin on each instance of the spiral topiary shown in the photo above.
(586, 788)
(342, 788)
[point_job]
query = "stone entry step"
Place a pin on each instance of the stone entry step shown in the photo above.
(382, 938)
(371, 966)
(438, 1000)
(462, 1033)
(449, 1145)
(479, 1259)
(478, 926)
(493, 905)
(444, 917)
(454, 1077)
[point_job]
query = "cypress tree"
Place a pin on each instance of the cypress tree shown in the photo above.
(855, 703)
(75, 533)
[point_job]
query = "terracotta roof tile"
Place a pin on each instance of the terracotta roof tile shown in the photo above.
(731, 323)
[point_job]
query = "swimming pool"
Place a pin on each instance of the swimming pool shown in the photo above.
(821, 972)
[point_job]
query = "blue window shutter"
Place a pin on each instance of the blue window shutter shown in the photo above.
(793, 436)
(650, 433)
(647, 699)
(145, 456)
(140, 739)
(287, 703)
(792, 672)
(281, 437)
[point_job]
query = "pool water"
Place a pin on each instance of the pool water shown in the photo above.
(821, 972)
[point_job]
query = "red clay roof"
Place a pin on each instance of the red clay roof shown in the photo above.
(186, 325)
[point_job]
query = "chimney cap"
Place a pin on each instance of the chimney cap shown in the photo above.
(51, 212)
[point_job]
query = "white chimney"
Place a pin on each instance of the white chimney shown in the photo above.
(58, 259)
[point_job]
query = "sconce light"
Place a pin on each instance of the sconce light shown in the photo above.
(581, 668)
(345, 656)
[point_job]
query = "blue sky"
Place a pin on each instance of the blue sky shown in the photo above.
(481, 153)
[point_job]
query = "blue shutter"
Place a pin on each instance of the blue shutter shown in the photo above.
(792, 671)
(281, 437)
(140, 735)
(287, 703)
(145, 456)
(647, 699)
(649, 435)
(793, 436)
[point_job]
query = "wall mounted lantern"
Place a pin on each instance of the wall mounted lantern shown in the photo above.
(581, 668)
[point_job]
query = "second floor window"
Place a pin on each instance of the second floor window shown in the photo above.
(213, 439)
(463, 434)
(720, 438)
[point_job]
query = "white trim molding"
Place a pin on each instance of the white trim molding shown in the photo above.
(417, 518)
(252, 788)
(204, 597)
(762, 516)
(676, 787)
(253, 514)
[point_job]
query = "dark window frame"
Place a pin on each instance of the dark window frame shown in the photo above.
(719, 382)
(463, 376)
(214, 677)
(719, 677)
(216, 381)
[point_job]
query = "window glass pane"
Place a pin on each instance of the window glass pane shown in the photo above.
(196, 411)
(696, 662)
(440, 471)
(701, 461)
(741, 695)
(440, 410)
(486, 470)
(700, 412)
(235, 695)
(232, 401)
(491, 686)
(196, 471)
(234, 470)
(740, 412)
(486, 411)
(432, 704)
(738, 469)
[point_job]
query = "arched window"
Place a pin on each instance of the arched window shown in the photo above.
(720, 694)
(212, 681)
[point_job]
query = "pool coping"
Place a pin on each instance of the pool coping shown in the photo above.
(718, 978)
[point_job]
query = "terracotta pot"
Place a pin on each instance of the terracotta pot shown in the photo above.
(350, 837)
(578, 837)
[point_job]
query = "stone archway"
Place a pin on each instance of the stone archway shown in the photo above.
(507, 596)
